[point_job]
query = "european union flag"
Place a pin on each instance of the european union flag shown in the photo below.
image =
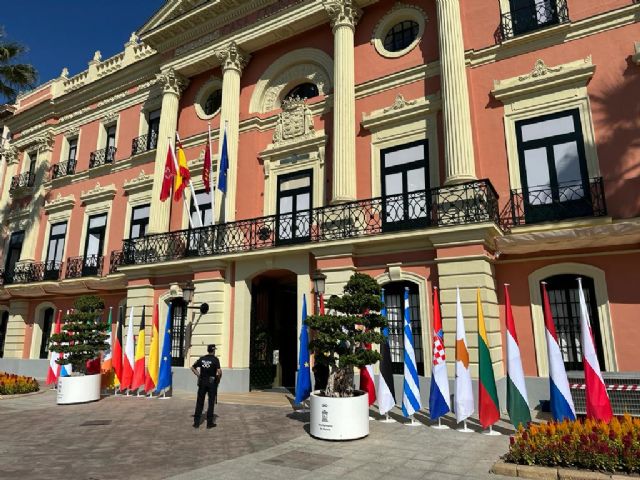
(303, 382)
(224, 165)
(164, 377)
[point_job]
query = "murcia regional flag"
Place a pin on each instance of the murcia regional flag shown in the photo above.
(464, 404)
(439, 390)
(517, 404)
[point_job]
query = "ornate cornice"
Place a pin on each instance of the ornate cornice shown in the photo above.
(137, 184)
(342, 13)
(10, 153)
(540, 69)
(172, 82)
(399, 103)
(233, 57)
(45, 142)
(59, 204)
(98, 194)
(401, 112)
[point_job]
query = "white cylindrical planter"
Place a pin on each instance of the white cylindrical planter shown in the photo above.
(340, 418)
(81, 389)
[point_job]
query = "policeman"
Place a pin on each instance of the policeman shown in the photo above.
(209, 376)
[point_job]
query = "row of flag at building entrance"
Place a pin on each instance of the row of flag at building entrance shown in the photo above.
(562, 408)
(124, 365)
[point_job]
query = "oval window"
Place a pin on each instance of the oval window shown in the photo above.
(401, 36)
(213, 102)
(303, 91)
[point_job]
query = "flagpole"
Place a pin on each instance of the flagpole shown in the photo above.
(464, 428)
(175, 163)
(212, 188)
(193, 192)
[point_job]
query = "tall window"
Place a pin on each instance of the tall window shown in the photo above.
(111, 144)
(204, 204)
(94, 244)
(55, 251)
(394, 301)
(530, 15)
(33, 159)
(404, 183)
(294, 206)
(565, 308)
(47, 322)
(178, 317)
(553, 167)
(4, 322)
(139, 221)
(13, 255)
(154, 127)
(71, 158)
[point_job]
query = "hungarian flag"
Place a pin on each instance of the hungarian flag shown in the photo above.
(517, 404)
(117, 348)
(206, 167)
(488, 408)
(106, 367)
(464, 391)
(127, 368)
(561, 402)
(367, 383)
(439, 390)
(183, 176)
(151, 378)
(169, 174)
(54, 368)
(598, 403)
(386, 392)
(138, 367)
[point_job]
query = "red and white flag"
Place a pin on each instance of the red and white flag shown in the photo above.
(54, 368)
(169, 174)
(598, 404)
(129, 356)
(367, 383)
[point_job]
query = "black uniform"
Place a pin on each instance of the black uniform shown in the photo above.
(207, 384)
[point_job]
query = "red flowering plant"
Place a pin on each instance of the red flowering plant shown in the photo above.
(11, 384)
(588, 444)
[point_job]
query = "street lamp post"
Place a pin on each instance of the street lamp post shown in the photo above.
(319, 280)
(187, 295)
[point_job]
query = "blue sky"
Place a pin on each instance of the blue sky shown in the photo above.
(66, 33)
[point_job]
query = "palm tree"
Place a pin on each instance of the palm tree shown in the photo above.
(14, 76)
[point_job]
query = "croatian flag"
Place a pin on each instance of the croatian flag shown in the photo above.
(561, 402)
(439, 391)
(411, 387)
(598, 404)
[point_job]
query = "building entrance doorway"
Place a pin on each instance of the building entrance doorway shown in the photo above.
(273, 329)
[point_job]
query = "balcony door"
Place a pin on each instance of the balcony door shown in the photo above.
(4, 323)
(94, 244)
(294, 207)
(55, 251)
(110, 151)
(154, 127)
(530, 15)
(405, 177)
(47, 323)
(178, 331)
(553, 167)
(13, 255)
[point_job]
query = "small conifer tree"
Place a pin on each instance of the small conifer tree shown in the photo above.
(340, 337)
(83, 334)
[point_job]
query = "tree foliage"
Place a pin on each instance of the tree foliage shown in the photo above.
(84, 334)
(340, 337)
(14, 76)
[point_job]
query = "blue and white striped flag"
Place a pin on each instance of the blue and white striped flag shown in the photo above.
(411, 389)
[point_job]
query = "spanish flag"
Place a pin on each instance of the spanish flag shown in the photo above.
(183, 176)
(488, 408)
(151, 378)
(138, 367)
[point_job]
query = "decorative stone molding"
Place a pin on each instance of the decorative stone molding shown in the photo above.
(72, 132)
(98, 194)
(60, 204)
(398, 13)
(172, 82)
(636, 57)
(110, 117)
(343, 13)
(140, 183)
(294, 122)
(10, 153)
(45, 142)
(401, 111)
(543, 77)
(399, 104)
(233, 57)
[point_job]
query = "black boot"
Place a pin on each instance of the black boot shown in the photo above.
(196, 422)
(210, 424)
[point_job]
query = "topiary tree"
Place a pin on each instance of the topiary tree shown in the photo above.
(83, 335)
(340, 338)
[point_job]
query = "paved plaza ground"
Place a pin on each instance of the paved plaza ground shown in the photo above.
(259, 436)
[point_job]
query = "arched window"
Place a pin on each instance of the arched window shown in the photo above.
(565, 308)
(47, 323)
(401, 35)
(4, 322)
(304, 91)
(213, 102)
(394, 301)
(178, 316)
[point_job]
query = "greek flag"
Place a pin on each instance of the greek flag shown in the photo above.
(411, 389)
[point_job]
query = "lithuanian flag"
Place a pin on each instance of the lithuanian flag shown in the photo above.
(151, 378)
(183, 176)
(138, 366)
(488, 408)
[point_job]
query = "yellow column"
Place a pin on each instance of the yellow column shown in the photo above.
(458, 141)
(344, 15)
(172, 86)
(233, 60)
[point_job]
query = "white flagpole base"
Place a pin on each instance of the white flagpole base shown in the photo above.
(491, 432)
(439, 426)
(413, 423)
(464, 428)
(163, 396)
(387, 419)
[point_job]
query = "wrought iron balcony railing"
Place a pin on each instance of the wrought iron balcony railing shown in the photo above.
(474, 202)
(538, 15)
(62, 169)
(116, 261)
(102, 157)
(546, 204)
(144, 143)
(24, 180)
(29, 272)
(84, 266)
